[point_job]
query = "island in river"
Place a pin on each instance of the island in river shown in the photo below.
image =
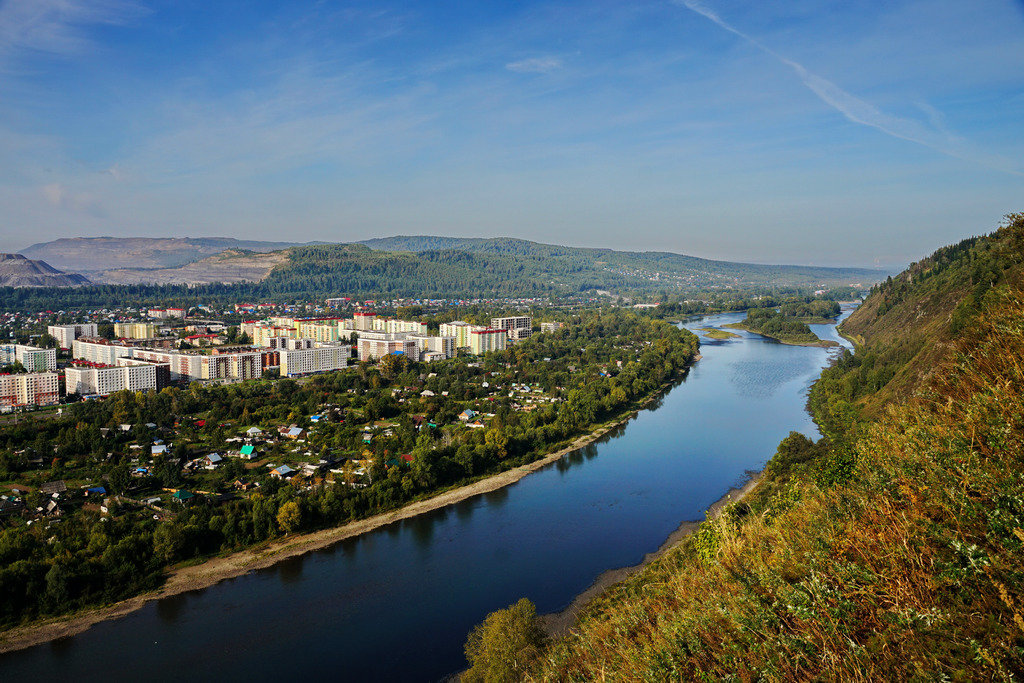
(777, 325)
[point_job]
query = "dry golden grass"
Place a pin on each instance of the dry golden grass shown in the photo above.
(912, 569)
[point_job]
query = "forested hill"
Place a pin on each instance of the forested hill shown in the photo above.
(887, 550)
(908, 322)
(609, 269)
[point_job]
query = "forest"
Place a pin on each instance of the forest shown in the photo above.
(398, 422)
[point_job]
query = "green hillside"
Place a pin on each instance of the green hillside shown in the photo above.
(581, 268)
(888, 550)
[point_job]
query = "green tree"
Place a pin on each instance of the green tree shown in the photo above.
(289, 517)
(505, 644)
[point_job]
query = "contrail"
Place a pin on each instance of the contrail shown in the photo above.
(865, 113)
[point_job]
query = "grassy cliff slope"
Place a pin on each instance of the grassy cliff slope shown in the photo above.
(890, 549)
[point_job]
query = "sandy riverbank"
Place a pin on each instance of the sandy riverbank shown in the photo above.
(215, 570)
(559, 623)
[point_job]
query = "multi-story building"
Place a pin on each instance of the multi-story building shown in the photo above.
(551, 326)
(518, 326)
(395, 326)
(262, 334)
(31, 389)
(319, 330)
(484, 341)
(135, 330)
(65, 334)
(440, 348)
(32, 358)
(461, 331)
(364, 321)
(99, 351)
(376, 345)
(321, 357)
(163, 313)
(129, 374)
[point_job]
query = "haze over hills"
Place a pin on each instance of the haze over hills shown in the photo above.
(425, 266)
(18, 271)
(104, 253)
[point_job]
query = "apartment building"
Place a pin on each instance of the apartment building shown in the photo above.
(461, 331)
(440, 348)
(99, 351)
(375, 345)
(130, 374)
(364, 321)
(396, 326)
(320, 357)
(323, 331)
(164, 313)
(518, 327)
(551, 326)
(32, 389)
(134, 330)
(32, 358)
(65, 334)
(487, 340)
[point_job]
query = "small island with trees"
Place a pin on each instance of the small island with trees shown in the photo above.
(776, 324)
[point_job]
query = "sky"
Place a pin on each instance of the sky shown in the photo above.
(811, 131)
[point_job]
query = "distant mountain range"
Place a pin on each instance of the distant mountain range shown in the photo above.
(18, 271)
(103, 253)
(412, 266)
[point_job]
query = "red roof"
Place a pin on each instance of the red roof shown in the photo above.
(406, 457)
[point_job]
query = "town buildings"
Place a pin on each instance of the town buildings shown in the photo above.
(518, 327)
(32, 358)
(129, 374)
(135, 330)
(319, 357)
(65, 334)
(28, 389)
(487, 340)
(460, 330)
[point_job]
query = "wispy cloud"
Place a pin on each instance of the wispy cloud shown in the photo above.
(56, 26)
(857, 110)
(536, 65)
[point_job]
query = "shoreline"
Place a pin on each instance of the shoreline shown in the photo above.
(216, 569)
(556, 624)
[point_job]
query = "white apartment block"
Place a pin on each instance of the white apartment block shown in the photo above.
(34, 389)
(100, 353)
(106, 381)
(318, 358)
(461, 331)
(65, 334)
(34, 359)
(441, 348)
(376, 345)
(364, 321)
(551, 327)
(239, 365)
(163, 313)
(485, 341)
(395, 326)
(518, 327)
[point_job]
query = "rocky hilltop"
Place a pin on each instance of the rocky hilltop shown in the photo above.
(91, 254)
(18, 271)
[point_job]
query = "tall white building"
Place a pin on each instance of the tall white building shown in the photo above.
(376, 345)
(100, 352)
(461, 331)
(485, 341)
(440, 347)
(518, 326)
(34, 359)
(106, 381)
(65, 334)
(320, 357)
(33, 389)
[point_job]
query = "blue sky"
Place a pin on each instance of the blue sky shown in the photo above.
(800, 132)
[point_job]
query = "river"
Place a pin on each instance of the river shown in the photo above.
(396, 604)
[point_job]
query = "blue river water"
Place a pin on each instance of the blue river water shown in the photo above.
(396, 604)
